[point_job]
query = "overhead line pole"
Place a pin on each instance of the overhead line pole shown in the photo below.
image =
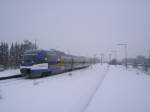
(125, 50)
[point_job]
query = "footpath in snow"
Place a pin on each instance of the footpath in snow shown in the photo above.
(59, 93)
(122, 91)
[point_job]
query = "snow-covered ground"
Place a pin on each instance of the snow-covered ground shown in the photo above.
(94, 89)
(9, 72)
(122, 91)
(60, 93)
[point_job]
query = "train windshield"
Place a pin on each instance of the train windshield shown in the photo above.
(29, 56)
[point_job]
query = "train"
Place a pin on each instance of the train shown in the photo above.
(40, 63)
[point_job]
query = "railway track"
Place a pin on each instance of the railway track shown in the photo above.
(11, 77)
(96, 89)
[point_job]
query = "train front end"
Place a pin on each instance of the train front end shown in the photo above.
(34, 64)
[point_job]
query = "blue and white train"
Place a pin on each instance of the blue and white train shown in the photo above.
(39, 63)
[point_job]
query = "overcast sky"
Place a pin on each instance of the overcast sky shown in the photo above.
(80, 26)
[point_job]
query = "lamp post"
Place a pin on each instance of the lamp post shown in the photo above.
(125, 50)
(35, 41)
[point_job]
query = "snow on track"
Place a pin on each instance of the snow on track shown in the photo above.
(59, 93)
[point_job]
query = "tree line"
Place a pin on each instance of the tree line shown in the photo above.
(10, 55)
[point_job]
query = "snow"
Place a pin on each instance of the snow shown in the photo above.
(9, 72)
(60, 93)
(94, 89)
(122, 91)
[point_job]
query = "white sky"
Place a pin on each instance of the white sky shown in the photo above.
(84, 27)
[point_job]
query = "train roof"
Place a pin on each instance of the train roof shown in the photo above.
(52, 51)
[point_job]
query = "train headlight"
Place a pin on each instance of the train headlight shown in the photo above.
(58, 60)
